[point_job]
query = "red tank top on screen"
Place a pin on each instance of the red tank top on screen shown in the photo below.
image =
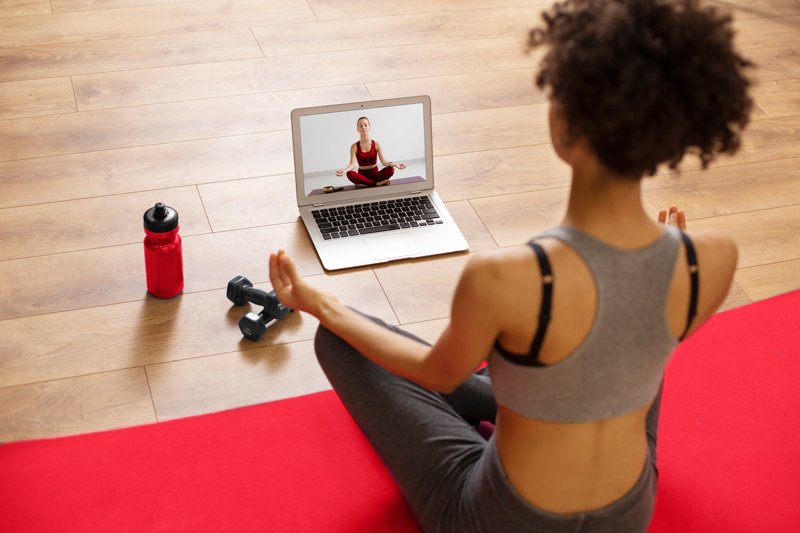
(366, 159)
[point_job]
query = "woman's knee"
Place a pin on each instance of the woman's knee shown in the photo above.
(325, 343)
(358, 179)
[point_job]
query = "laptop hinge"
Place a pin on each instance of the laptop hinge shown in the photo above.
(317, 205)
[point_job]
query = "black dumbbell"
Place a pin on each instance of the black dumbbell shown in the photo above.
(252, 325)
(241, 291)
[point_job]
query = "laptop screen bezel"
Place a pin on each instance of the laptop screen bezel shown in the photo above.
(361, 193)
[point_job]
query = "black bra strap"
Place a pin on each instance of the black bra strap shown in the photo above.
(547, 301)
(691, 259)
(532, 357)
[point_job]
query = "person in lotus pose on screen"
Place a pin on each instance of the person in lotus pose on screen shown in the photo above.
(364, 155)
(577, 324)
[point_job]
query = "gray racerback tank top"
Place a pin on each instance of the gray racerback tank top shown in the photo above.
(619, 367)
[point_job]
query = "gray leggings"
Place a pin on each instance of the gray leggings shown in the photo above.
(450, 475)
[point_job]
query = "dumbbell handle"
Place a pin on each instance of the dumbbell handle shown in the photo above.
(257, 296)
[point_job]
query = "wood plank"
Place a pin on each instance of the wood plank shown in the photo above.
(77, 405)
(767, 32)
(152, 331)
(772, 138)
(440, 27)
(471, 226)
(772, 279)
(788, 57)
(87, 57)
(127, 20)
(36, 97)
(18, 8)
(161, 123)
(92, 223)
(467, 92)
(194, 81)
(763, 140)
(774, 63)
(87, 5)
(349, 9)
(487, 129)
(763, 237)
(498, 172)
(429, 330)
(514, 218)
(251, 202)
(207, 384)
(778, 98)
(160, 166)
(421, 289)
(104, 276)
(747, 9)
(736, 298)
(727, 189)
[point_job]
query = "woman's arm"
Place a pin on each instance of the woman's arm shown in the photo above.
(465, 342)
(395, 164)
(353, 164)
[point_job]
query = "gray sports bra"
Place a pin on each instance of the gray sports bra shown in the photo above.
(619, 367)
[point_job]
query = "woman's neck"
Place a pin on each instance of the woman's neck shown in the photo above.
(610, 208)
(365, 140)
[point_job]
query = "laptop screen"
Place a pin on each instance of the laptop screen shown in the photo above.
(344, 150)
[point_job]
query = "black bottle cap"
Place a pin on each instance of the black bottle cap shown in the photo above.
(160, 218)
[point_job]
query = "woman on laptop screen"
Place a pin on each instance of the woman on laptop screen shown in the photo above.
(364, 155)
(576, 325)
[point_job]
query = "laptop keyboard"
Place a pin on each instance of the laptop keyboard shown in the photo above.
(375, 217)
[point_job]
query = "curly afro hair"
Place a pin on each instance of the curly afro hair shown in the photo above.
(645, 81)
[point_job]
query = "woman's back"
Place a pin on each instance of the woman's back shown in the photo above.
(565, 466)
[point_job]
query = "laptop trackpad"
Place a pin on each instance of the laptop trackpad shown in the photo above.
(392, 246)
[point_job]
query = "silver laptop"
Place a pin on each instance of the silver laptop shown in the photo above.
(385, 207)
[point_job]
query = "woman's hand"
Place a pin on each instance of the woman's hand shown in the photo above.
(673, 216)
(340, 172)
(291, 289)
(401, 166)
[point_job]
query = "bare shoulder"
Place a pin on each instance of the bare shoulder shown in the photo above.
(493, 280)
(504, 273)
(498, 265)
(715, 249)
(716, 262)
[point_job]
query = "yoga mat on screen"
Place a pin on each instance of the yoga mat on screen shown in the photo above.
(728, 455)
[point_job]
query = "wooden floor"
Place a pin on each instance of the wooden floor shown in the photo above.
(107, 106)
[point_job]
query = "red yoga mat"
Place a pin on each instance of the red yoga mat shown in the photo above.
(728, 457)
(729, 432)
(297, 465)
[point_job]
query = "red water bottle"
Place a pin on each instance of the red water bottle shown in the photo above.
(163, 252)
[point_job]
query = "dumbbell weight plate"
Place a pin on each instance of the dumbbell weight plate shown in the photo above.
(235, 288)
(252, 326)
